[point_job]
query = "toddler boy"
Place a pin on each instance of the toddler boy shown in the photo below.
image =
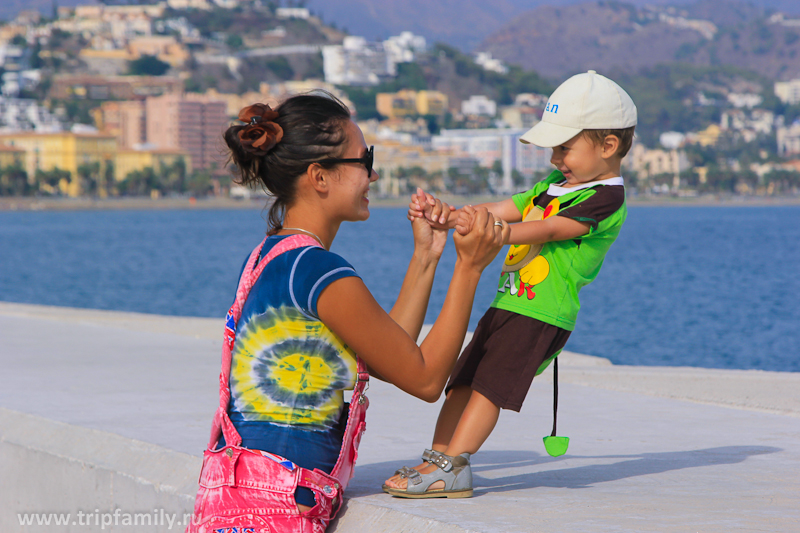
(562, 229)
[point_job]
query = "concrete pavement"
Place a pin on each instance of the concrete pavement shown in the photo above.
(652, 449)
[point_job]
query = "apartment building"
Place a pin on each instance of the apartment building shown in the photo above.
(193, 126)
(357, 62)
(788, 92)
(126, 120)
(409, 103)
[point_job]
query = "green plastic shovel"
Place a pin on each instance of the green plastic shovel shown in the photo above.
(555, 446)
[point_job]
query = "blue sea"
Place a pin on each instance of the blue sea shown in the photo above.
(712, 287)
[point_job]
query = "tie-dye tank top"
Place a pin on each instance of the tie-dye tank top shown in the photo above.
(288, 368)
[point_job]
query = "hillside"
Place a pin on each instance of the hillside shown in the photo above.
(10, 8)
(617, 36)
(462, 23)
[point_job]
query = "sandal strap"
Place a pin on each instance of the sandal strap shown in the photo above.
(427, 455)
(404, 472)
(445, 462)
(414, 477)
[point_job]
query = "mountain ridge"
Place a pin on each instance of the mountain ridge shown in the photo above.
(475, 19)
(613, 35)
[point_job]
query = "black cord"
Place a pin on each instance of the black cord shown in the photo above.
(555, 395)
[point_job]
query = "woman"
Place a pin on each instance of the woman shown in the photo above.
(308, 313)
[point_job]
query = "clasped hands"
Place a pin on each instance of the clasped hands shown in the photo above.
(479, 235)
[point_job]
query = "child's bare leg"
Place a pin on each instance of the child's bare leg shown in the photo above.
(474, 427)
(452, 409)
(454, 404)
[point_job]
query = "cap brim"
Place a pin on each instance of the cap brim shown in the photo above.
(548, 135)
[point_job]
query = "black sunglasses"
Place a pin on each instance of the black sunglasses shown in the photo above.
(366, 160)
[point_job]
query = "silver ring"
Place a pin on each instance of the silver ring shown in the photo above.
(498, 223)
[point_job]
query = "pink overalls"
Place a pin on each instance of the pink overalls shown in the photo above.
(252, 491)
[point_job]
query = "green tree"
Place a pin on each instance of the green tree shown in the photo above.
(148, 65)
(199, 183)
(108, 178)
(234, 41)
(90, 177)
(50, 179)
(782, 181)
(174, 176)
(469, 181)
(280, 67)
(518, 179)
(139, 182)
(14, 181)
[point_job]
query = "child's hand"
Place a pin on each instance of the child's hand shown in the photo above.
(433, 210)
(465, 219)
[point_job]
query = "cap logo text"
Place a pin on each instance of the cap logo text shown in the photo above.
(553, 108)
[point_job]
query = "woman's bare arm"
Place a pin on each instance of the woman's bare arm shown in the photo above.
(412, 302)
(349, 310)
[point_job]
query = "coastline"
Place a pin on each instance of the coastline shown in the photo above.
(144, 203)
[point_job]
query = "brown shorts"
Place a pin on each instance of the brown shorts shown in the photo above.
(504, 354)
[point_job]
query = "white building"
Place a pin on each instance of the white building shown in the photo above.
(488, 62)
(178, 24)
(671, 140)
(788, 91)
(14, 82)
(515, 116)
(531, 100)
(23, 114)
(404, 47)
(749, 100)
(10, 55)
(356, 62)
(479, 105)
(227, 4)
(292, 13)
(789, 140)
(648, 163)
(489, 145)
(780, 18)
(748, 124)
(189, 4)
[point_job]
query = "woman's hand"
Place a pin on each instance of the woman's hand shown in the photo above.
(428, 242)
(429, 238)
(484, 237)
(438, 214)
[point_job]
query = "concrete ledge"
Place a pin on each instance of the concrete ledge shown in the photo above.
(60, 468)
(106, 411)
(198, 328)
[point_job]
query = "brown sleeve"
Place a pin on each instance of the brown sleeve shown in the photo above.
(595, 208)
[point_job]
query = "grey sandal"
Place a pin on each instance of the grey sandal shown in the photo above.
(404, 472)
(454, 471)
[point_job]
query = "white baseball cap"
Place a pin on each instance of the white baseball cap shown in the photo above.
(586, 101)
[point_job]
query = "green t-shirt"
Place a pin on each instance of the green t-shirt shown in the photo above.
(545, 284)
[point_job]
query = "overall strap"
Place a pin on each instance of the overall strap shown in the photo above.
(252, 270)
